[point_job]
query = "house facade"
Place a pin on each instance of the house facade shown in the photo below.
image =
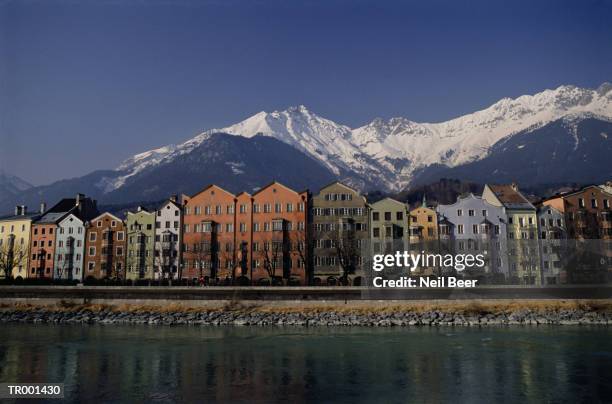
(472, 225)
(389, 230)
(588, 221)
(105, 248)
(168, 240)
(44, 232)
(423, 224)
(208, 234)
(552, 235)
(587, 211)
(522, 232)
(15, 242)
(279, 235)
(139, 261)
(340, 226)
(69, 248)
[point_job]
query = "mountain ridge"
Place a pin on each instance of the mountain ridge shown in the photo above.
(387, 153)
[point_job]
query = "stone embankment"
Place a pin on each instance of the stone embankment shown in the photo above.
(233, 313)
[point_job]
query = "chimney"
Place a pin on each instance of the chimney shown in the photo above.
(78, 199)
(43, 207)
(514, 186)
(24, 210)
(174, 198)
(17, 210)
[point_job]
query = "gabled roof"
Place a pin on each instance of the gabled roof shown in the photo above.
(277, 184)
(73, 215)
(509, 196)
(105, 214)
(574, 192)
(171, 202)
(141, 210)
(394, 201)
(208, 187)
(583, 189)
(341, 184)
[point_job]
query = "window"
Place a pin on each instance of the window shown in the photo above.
(301, 207)
(475, 228)
(277, 208)
(255, 208)
(92, 251)
(387, 216)
(376, 232)
(99, 223)
(289, 207)
(229, 227)
(606, 203)
(430, 219)
(230, 209)
(277, 225)
(255, 226)
(267, 208)
(484, 212)
(243, 208)
(471, 212)
(243, 227)
(459, 212)
(581, 202)
(460, 229)
(399, 215)
(375, 216)
(91, 266)
(594, 203)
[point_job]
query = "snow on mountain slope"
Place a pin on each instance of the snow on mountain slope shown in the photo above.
(388, 152)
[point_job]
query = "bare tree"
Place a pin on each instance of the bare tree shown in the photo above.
(204, 251)
(271, 254)
(12, 255)
(165, 254)
(346, 249)
(303, 246)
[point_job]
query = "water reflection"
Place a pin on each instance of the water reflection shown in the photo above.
(182, 364)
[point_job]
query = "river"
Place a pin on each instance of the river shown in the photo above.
(248, 364)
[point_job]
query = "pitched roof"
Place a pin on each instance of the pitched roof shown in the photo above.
(31, 216)
(210, 186)
(278, 184)
(510, 197)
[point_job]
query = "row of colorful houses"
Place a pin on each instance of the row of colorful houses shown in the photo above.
(279, 235)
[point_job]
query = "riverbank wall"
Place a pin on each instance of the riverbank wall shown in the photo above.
(316, 313)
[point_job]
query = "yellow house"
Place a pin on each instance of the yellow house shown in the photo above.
(15, 242)
(423, 224)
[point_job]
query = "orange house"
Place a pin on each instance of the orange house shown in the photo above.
(209, 235)
(42, 249)
(279, 234)
(588, 212)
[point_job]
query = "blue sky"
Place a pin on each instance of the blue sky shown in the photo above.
(85, 84)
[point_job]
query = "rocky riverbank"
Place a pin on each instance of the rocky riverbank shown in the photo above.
(459, 314)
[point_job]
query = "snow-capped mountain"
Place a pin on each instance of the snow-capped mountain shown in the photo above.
(387, 153)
